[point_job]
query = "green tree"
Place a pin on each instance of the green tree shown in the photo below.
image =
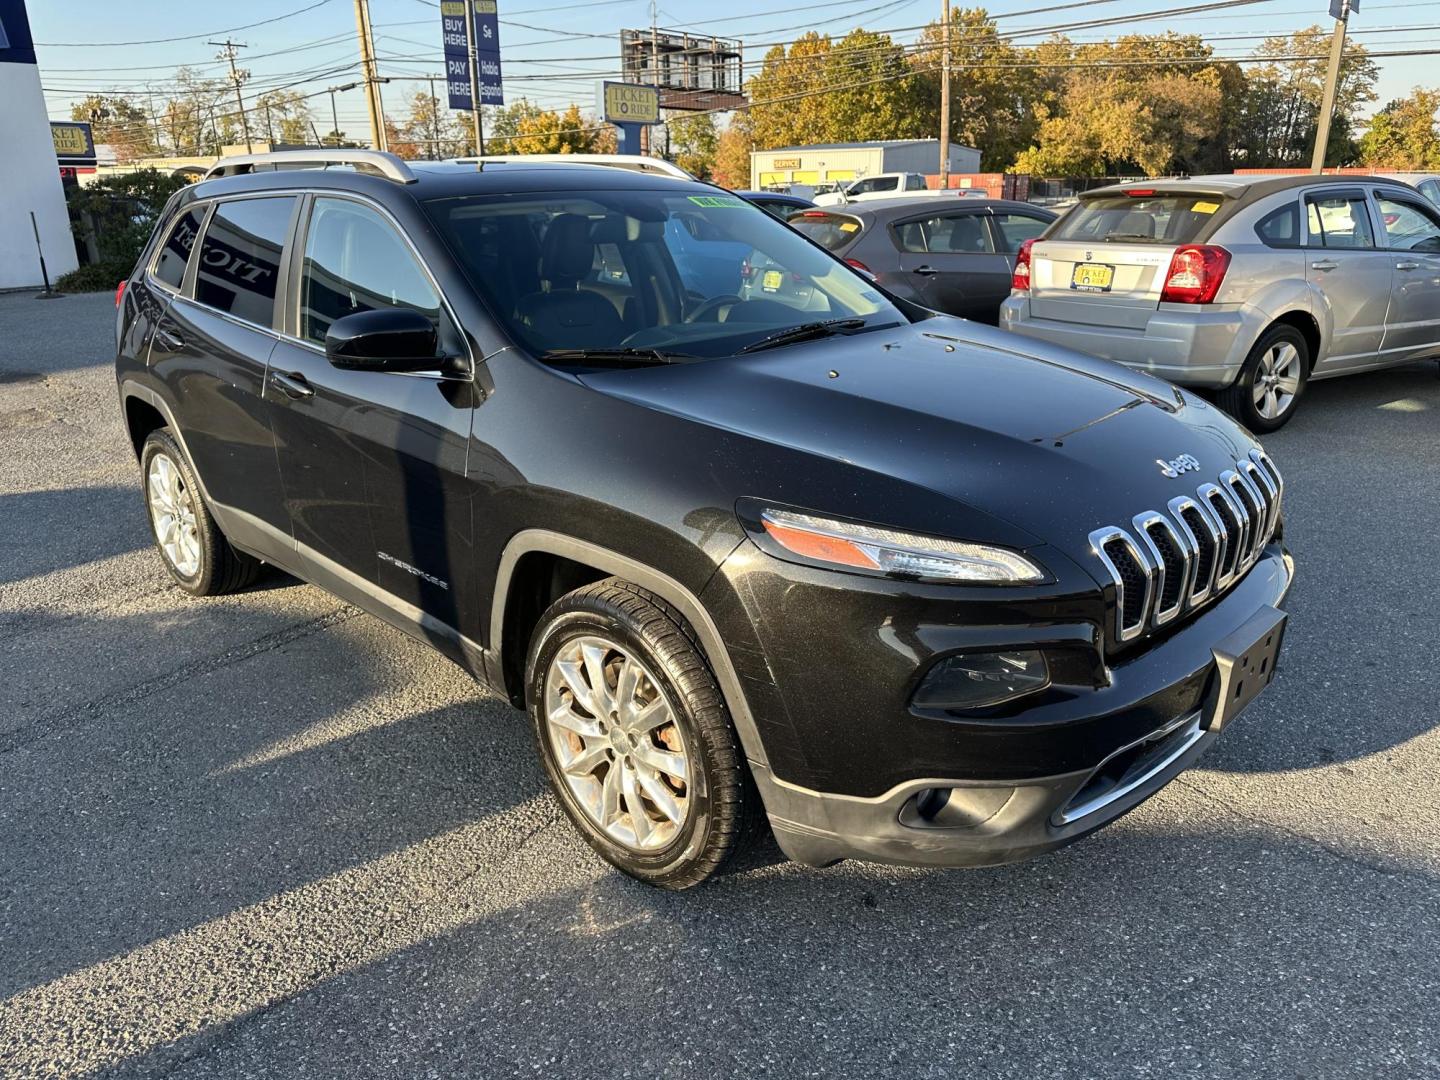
(732, 153)
(1282, 99)
(1403, 136)
(694, 141)
(284, 116)
(435, 131)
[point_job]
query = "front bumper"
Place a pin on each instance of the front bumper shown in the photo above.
(1123, 742)
(1200, 348)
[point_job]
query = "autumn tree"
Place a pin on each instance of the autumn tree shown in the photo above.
(732, 153)
(284, 117)
(119, 123)
(525, 128)
(1403, 136)
(435, 130)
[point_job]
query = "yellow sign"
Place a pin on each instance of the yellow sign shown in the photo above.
(453, 8)
(627, 103)
(1092, 277)
(70, 140)
(1205, 207)
(785, 163)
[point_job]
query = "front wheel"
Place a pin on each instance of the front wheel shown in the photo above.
(635, 736)
(1266, 392)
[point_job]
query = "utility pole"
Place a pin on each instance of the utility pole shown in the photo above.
(1341, 10)
(649, 129)
(371, 80)
(269, 131)
(334, 115)
(945, 97)
(237, 77)
(434, 119)
(475, 115)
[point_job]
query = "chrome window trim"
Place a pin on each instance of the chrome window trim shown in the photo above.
(1098, 539)
(1177, 507)
(187, 291)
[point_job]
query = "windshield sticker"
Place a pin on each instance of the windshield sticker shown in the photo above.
(718, 200)
(848, 226)
(1205, 208)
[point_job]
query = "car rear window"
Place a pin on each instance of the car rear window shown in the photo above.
(830, 231)
(1139, 219)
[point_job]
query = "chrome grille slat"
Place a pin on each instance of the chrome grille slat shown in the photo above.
(1165, 564)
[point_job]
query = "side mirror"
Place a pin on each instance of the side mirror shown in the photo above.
(386, 339)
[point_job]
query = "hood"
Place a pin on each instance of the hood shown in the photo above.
(1048, 440)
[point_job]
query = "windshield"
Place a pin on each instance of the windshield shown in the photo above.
(1138, 219)
(698, 275)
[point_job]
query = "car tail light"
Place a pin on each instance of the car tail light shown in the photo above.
(120, 292)
(1195, 274)
(1140, 192)
(1020, 278)
(858, 265)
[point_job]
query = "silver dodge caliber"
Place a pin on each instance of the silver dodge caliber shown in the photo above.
(1245, 285)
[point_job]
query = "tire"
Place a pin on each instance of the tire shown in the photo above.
(658, 738)
(1276, 371)
(190, 543)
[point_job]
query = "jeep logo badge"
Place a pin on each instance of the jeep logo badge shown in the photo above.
(1182, 464)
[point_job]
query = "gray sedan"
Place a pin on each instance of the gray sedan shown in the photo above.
(1246, 285)
(951, 255)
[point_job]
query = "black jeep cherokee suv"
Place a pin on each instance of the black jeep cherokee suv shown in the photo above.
(907, 587)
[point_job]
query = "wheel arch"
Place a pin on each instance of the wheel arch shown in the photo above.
(538, 561)
(1304, 322)
(141, 407)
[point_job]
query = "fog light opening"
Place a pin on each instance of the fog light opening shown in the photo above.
(954, 808)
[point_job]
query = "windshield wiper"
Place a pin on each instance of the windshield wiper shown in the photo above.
(622, 355)
(1127, 236)
(803, 332)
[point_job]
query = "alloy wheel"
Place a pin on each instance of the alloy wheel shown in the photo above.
(1277, 380)
(617, 743)
(174, 514)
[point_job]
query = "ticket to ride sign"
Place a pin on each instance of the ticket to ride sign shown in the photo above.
(630, 103)
(74, 143)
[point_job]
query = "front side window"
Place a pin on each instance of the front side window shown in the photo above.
(1338, 221)
(240, 257)
(356, 261)
(1408, 227)
(955, 234)
(692, 275)
(1431, 190)
(175, 252)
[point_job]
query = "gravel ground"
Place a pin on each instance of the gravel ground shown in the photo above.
(268, 836)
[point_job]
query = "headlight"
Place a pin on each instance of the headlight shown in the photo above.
(975, 680)
(889, 551)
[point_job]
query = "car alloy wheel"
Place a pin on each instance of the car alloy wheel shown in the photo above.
(1277, 380)
(174, 514)
(617, 744)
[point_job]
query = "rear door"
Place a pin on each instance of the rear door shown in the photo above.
(1410, 233)
(1106, 261)
(211, 348)
(373, 463)
(951, 263)
(1351, 276)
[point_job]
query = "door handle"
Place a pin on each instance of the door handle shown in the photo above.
(1323, 264)
(1407, 266)
(925, 270)
(168, 341)
(294, 385)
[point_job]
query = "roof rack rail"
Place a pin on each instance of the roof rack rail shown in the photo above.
(387, 165)
(635, 162)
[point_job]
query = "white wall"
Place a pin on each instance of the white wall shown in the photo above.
(29, 180)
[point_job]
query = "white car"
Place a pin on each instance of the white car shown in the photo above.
(1427, 183)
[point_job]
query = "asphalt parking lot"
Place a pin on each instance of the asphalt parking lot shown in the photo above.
(267, 836)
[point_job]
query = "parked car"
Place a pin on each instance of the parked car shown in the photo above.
(945, 254)
(1428, 184)
(1245, 285)
(778, 204)
(910, 588)
(881, 186)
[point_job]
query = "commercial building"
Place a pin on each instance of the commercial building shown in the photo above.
(838, 163)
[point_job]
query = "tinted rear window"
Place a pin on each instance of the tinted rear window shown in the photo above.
(240, 257)
(1138, 219)
(832, 231)
(170, 262)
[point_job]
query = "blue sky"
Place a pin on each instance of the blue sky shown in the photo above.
(553, 53)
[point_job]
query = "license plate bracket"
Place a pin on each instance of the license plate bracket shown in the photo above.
(1244, 666)
(1092, 277)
